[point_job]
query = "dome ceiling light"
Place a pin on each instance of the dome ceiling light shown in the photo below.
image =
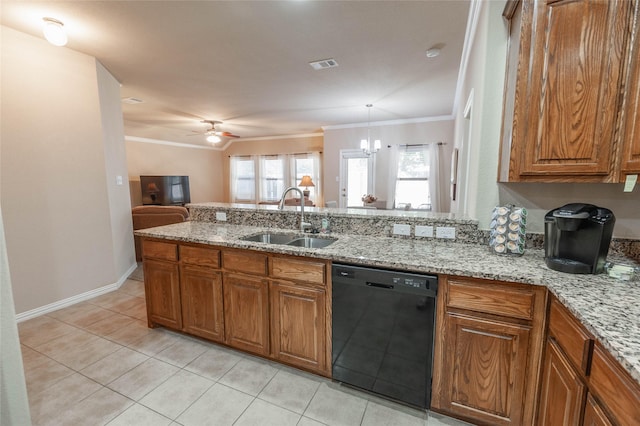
(54, 32)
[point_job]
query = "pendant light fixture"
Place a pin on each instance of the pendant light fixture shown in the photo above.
(365, 144)
(54, 32)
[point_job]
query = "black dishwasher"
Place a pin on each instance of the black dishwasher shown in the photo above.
(383, 329)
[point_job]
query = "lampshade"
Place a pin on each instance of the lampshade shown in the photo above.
(306, 181)
(54, 32)
(152, 187)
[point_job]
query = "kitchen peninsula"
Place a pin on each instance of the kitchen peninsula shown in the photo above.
(608, 309)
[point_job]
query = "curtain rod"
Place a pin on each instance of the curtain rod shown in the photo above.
(275, 155)
(421, 144)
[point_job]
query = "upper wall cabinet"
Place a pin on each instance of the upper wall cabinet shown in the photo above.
(631, 112)
(566, 118)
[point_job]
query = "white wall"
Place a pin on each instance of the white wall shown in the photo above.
(203, 166)
(116, 170)
(485, 77)
(438, 130)
(63, 217)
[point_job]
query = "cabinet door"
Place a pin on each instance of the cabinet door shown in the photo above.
(298, 330)
(562, 394)
(246, 313)
(631, 115)
(565, 125)
(594, 415)
(162, 292)
(202, 302)
(484, 370)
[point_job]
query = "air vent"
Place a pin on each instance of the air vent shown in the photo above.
(323, 64)
(132, 101)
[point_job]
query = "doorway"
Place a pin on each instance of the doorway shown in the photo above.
(356, 177)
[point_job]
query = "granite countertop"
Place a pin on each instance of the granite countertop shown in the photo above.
(609, 308)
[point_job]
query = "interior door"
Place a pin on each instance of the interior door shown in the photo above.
(356, 177)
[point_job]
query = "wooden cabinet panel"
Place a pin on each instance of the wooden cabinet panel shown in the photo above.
(563, 392)
(202, 302)
(298, 329)
(298, 270)
(486, 365)
(562, 113)
(594, 414)
(574, 340)
(492, 298)
(202, 256)
(246, 262)
(162, 292)
(159, 250)
(631, 112)
(613, 386)
(246, 312)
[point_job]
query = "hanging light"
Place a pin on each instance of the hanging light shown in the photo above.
(54, 32)
(213, 138)
(365, 144)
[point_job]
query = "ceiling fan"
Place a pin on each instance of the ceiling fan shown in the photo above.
(214, 135)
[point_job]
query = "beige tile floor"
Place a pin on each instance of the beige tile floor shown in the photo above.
(97, 363)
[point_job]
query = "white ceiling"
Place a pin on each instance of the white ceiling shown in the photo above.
(246, 62)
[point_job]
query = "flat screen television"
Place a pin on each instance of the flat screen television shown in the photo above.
(165, 190)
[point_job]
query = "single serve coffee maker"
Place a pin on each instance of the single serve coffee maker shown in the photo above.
(577, 237)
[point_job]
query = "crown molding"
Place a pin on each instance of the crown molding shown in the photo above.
(266, 138)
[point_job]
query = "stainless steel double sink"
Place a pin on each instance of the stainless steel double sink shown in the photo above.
(290, 240)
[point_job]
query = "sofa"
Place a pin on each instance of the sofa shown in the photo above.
(152, 216)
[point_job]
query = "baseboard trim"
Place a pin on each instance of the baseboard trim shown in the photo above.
(23, 316)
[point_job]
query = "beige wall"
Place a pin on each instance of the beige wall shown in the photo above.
(61, 228)
(485, 77)
(266, 146)
(438, 130)
(202, 165)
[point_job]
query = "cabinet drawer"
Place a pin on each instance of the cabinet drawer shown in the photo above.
(615, 388)
(574, 340)
(249, 263)
(159, 250)
(201, 256)
(298, 270)
(491, 298)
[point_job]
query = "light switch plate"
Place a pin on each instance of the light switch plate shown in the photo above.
(222, 216)
(446, 232)
(401, 229)
(118, 180)
(424, 231)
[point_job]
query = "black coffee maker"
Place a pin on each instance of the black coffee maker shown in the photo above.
(577, 237)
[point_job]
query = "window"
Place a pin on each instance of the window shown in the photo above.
(243, 178)
(412, 179)
(263, 178)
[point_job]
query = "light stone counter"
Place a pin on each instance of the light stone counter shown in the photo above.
(609, 308)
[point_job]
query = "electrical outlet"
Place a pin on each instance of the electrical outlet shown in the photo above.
(221, 216)
(118, 180)
(446, 232)
(400, 229)
(424, 231)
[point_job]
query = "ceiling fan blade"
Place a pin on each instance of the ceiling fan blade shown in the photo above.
(229, 135)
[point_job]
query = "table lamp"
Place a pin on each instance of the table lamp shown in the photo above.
(306, 182)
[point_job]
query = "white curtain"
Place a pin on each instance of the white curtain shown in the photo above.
(310, 167)
(242, 185)
(391, 177)
(273, 174)
(436, 181)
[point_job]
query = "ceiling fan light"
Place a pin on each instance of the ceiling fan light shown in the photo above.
(53, 31)
(213, 138)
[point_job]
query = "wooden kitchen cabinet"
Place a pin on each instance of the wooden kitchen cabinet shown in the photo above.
(562, 113)
(202, 302)
(563, 393)
(298, 325)
(631, 111)
(162, 284)
(246, 313)
(582, 384)
(488, 350)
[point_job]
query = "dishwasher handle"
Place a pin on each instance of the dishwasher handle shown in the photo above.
(387, 286)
